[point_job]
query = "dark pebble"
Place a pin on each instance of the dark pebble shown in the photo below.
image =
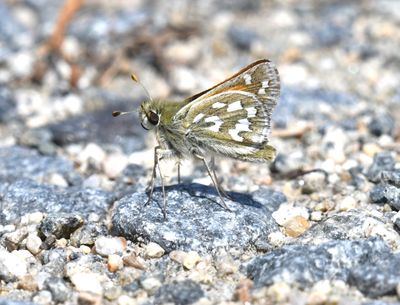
(383, 161)
(391, 177)
(179, 293)
(87, 234)
(40, 138)
(59, 289)
(7, 105)
(386, 193)
(382, 124)
(61, 225)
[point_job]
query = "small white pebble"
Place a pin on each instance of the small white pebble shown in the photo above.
(106, 246)
(87, 282)
(316, 216)
(287, 212)
(277, 238)
(33, 243)
(177, 256)
(12, 264)
(113, 165)
(154, 250)
(57, 179)
(92, 152)
(32, 218)
(84, 249)
(191, 259)
(150, 284)
(347, 203)
(126, 300)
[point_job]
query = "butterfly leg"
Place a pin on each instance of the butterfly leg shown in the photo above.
(150, 187)
(215, 182)
(179, 172)
(221, 189)
(164, 208)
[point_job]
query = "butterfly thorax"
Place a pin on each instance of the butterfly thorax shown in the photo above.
(170, 133)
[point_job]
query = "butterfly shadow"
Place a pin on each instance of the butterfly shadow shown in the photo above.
(209, 192)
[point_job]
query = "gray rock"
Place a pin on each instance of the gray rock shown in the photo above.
(40, 138)
(89, 128)
(87, 234)
(364, 264)
(355, 224)
(7, 104)
(61, 225)
(195, 220)
(53, 261)
(285, 164)
(26, 196)
(391, 177)
(18, 162)
(5, 301)
(382, 124)
(383, 161)
(314, 182)
(179, 293)
(128, 181)
(386, 193)
(378, 276)
(59, 289)
(270, 199)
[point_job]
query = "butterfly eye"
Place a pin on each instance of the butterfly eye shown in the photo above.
(151, 120)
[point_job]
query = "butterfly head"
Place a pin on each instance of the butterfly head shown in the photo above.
(149, 115)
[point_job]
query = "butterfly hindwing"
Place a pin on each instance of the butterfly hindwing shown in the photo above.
(233, 117)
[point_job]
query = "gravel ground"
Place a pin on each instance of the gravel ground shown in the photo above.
(319, 225)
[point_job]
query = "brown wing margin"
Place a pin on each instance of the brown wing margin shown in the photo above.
(192, 98)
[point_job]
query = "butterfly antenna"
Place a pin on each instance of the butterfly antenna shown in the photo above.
(118, 113)
(136, 80)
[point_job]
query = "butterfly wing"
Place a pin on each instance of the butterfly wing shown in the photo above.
(233, 118)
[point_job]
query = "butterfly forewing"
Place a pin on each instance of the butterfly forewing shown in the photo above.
(233, 118)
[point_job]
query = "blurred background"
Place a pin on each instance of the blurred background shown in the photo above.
(65, 65)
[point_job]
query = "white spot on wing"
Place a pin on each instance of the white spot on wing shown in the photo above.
(218, 105)
(261, 91)
(243, 126)
(244, 122)
(247, 79)
(234, 106)
(212, 119)
(251, 112)
(198, 117)
(257, 138)
(217, 123)
(235, 135)
(265, 84)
